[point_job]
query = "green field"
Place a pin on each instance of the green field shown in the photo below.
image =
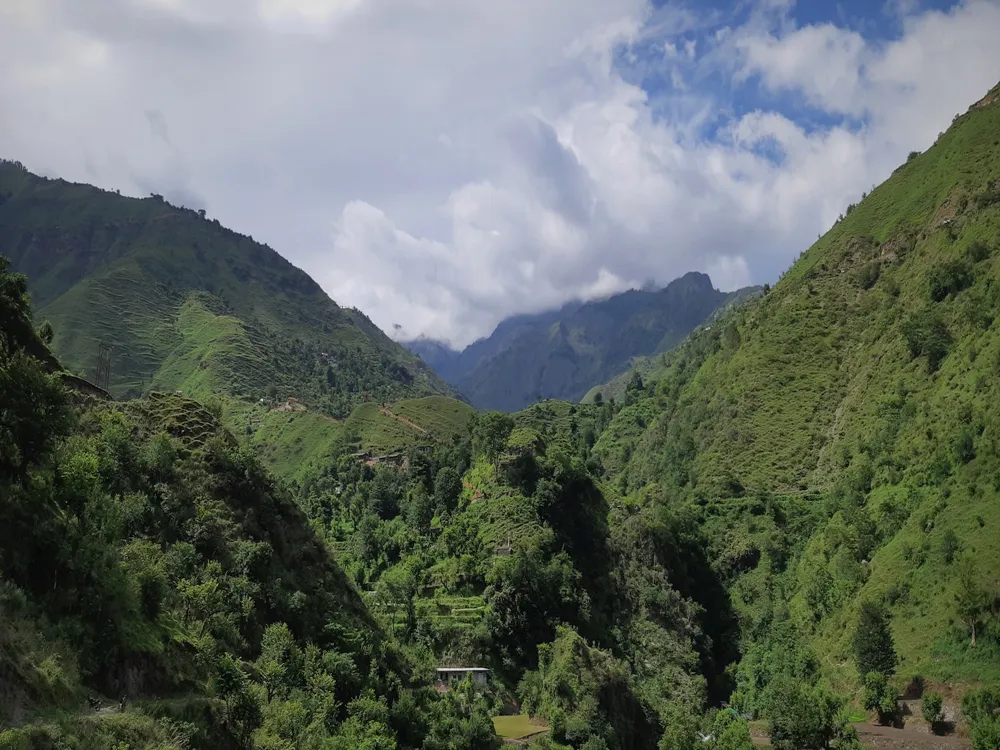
(517, 727)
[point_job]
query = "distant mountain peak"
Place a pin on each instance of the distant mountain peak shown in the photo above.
(563, 352)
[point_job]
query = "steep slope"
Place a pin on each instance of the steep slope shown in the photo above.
(862, 386)
(187, 304)
(159, 589)
(562, 353)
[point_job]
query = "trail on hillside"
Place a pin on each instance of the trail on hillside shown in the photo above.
(386, 412)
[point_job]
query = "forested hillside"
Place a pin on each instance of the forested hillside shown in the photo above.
(856, 401)
(186, 304)
(159, 589)
(795, 510)
(563, 353)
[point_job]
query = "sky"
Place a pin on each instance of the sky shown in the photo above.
(442, 164)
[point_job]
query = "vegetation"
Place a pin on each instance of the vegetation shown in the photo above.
(836, 437)
(793, 509)
(145, 555)
(186, 304)
(930, 709)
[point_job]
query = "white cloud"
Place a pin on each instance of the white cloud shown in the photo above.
(444, 164)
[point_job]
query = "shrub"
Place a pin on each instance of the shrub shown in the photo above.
(977, 251)
(880, 696)
(927, 335)
(980, 708)
(912, 155)
(803, 716)
(949, 546)
(930, 707)
(868, 274)
(949, 278)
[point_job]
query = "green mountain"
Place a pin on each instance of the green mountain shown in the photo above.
(562, 353)
(186, 304)
(803, 491)
(839, 435)
(159, 589)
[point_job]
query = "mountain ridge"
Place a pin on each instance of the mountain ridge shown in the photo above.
(562, 353)
(188, 304)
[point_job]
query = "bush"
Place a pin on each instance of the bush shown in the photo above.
(949, 546)
(980, 708)
(930, 707)
(803, 716)
(880, 696)
(868, 274)
(977, 251)
(927, 335)
(949, 278)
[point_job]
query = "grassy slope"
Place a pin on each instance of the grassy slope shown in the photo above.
(295, 443)
(813, 389)
(434, 419)
(186, 303)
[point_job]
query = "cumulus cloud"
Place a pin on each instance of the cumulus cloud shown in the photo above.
(444, 164)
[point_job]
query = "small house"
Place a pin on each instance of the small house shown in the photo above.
(448, 676)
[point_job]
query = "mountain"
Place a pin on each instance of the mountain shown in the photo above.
(186, 304)
(840, 435)
(159, 589)
(563, 353)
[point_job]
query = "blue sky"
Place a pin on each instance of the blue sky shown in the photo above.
(445, 164)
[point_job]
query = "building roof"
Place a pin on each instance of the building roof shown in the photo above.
(462, 669)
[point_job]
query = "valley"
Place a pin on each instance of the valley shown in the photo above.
(769, 517)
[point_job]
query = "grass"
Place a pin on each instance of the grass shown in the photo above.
(517, 727)
(407, 423)
(292, 444)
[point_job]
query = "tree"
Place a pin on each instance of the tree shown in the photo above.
(971, 599)
(982, 711)
(880, 696)
(45, 333)
(930, 707)
(873, 646)
(731, 732)
(17, 330)
(803, 717)
(490, 433)
(926, 334)
(447, 488)
(949, 546)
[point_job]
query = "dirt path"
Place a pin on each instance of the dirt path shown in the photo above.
(890, 738)
(385, 412)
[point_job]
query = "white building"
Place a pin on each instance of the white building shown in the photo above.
(454, 675)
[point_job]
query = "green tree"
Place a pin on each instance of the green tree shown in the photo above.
(927, 335)
(731, 732)
(880, 696)
(490, 432)
(873, 645)
(447, 489)
(45, 333)
(803, 717)
(971, 599)
(982, 711)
